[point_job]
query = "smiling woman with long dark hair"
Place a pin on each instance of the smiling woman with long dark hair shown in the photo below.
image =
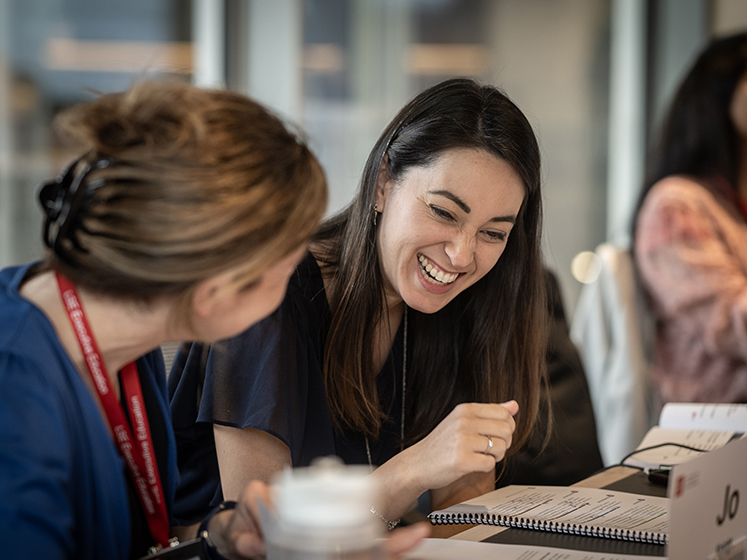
(412, 336)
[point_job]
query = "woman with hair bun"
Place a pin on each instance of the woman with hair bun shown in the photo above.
(690, 232)
(403, 343)
(183, 218)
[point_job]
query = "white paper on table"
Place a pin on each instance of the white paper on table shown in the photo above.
(712, 416)
(705, 440)
(450, 549)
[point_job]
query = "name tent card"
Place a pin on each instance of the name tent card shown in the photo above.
(708, 516)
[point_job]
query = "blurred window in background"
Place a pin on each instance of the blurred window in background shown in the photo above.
(54, 53)
(341, 69)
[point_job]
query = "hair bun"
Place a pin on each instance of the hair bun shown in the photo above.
(147, 116)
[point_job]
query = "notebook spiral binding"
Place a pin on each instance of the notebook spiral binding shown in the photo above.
(567, 528)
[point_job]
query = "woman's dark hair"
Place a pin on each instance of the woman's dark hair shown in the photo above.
(486, 345)
(698, 136)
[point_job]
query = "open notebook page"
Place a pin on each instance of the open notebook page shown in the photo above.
(718, 417)
(697, 425)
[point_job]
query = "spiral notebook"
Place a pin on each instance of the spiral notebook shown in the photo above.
(574, 510)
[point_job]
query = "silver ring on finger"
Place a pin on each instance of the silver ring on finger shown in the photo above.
(489, 446)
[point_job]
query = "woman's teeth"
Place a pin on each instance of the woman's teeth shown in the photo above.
(433, 275)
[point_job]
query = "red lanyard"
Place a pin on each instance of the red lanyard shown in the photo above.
(743, 207)
(137, 452)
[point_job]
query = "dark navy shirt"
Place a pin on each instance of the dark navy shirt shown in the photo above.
(63, 485)
(270, 378)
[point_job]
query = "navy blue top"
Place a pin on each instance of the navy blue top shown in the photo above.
(270, 378)
(63, 487)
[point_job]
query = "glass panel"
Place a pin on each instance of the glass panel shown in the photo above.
(362, 60)
(54, 53)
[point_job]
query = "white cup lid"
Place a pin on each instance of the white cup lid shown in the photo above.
(326, 494)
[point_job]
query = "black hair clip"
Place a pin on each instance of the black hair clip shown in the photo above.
(61, 199)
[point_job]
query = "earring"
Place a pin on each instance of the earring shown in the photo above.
(376, 213)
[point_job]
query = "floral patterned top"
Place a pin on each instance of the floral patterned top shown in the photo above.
(691, 254)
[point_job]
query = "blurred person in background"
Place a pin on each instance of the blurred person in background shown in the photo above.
(690, 232)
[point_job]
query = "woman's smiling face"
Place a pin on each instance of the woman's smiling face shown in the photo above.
(444, 226)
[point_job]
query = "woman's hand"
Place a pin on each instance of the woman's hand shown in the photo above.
(404, 539)
(237, 533)
(471, 439)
